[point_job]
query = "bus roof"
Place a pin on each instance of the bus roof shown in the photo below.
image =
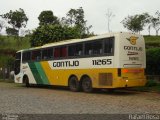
(64, 42)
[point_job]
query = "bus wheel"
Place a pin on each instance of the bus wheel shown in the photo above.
(87, 84)
(26, 81)
(74, 84)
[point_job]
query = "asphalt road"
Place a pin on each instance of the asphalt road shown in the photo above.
(17, 99)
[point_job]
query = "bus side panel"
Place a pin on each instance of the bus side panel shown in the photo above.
(38, 73)
(41, 73)
(61, 76)
(55, 77)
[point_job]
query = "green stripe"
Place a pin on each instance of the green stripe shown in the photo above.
(35, 73)
(41, 73)
(38, 73)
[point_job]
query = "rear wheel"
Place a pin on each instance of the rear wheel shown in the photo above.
(87, 84)
(74, 84)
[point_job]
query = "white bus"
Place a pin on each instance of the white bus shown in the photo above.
(113, 60)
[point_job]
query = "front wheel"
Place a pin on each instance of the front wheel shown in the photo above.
(87, 85)
(26, 81)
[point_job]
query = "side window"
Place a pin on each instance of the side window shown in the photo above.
(97, 47)
(56, 52)
(75, 50)
(109, 46)
(26, 56)
(88, 49)
(63, 51)
(60, 52)
(79, 49)
(94, 48)
(44, 54)
(71, 50)
(50, 53)
(36, 55)
(47, 53)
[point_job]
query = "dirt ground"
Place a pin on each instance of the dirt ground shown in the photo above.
(16, 98)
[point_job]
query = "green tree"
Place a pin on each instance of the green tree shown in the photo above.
(17, 19)
(47, 17)
(52, 33)
(12, 31)
(52, 30)
(135, 23)
(75, 18)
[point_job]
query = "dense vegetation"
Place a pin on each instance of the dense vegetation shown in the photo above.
(8, 46)
(52, 29)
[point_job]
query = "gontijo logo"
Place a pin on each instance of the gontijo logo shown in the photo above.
(132, 40)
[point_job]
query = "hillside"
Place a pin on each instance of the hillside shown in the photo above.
(8, 46)
(152, 41)
(12, 43)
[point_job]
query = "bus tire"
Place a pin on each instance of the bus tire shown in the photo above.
(74, 84)
(26, 81)
(87, 84)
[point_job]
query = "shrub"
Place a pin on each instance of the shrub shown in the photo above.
(151, 83)
(153, 61)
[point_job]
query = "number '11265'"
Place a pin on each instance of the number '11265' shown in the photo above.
(102, 62)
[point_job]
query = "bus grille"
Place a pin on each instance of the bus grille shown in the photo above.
(105, 79)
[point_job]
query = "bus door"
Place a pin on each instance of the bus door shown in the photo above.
(17, 63)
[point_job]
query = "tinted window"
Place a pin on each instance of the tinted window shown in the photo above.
(93, 48)
(63, 52)
(60, 52)
(75, 50)
(26, 56)
(109, 45)
(47, 53)
(56, 52)
(97, 47)
(36, 55)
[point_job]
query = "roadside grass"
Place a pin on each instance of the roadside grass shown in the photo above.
(151, 86)
(6, 81)
(9, 84)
